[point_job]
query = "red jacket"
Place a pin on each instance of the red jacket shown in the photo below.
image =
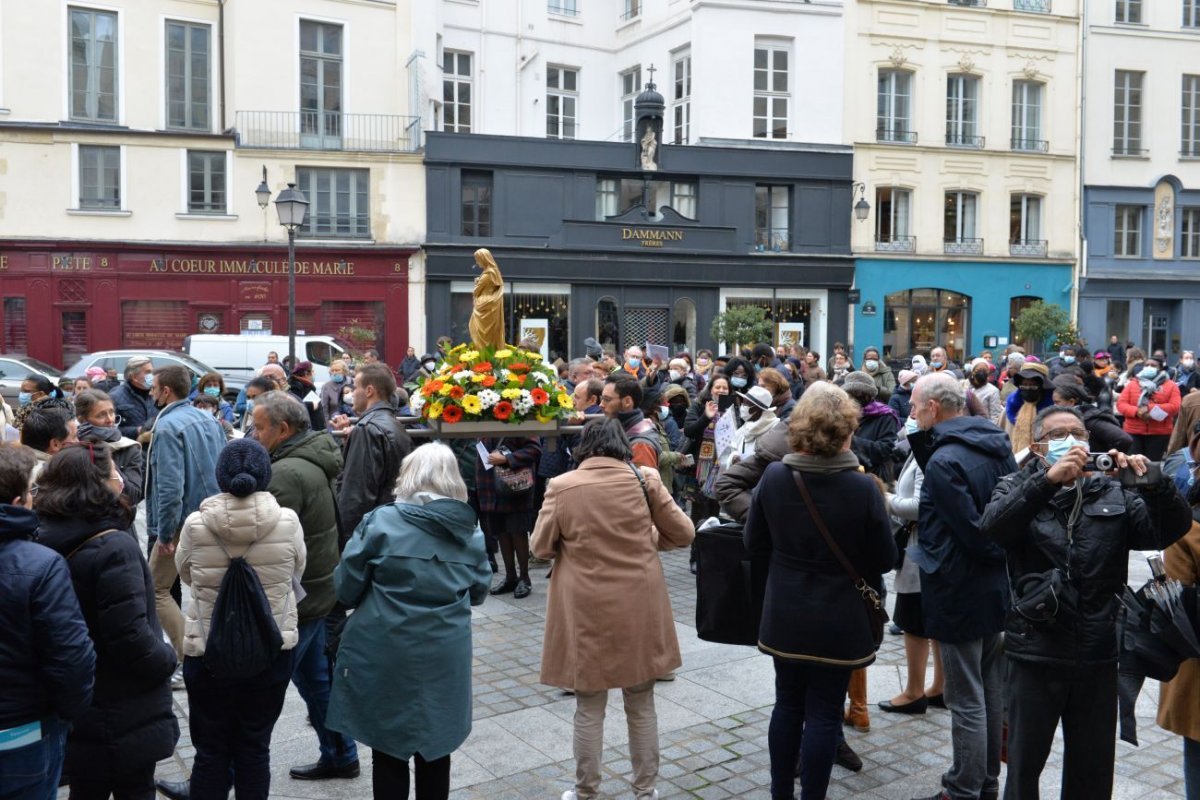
(1167, 398)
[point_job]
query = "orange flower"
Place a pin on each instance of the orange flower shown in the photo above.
(489, 381)
(456, 392)
(502, 410)
(518, 366)
(539, 397)
(483, 366)
(431, 387)
(519, 379)
(452, 414)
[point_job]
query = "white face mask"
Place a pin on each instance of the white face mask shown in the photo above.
(744, 413)
(675, 375)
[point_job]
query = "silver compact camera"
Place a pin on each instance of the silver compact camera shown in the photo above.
(1099, 462)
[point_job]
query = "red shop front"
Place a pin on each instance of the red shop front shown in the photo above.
(64, 299)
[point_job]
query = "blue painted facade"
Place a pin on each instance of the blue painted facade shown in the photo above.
(1151, 302)
(990, 285)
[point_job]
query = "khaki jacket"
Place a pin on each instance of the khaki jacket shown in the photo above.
(608, 618)
(278, 554)
(1179, 698)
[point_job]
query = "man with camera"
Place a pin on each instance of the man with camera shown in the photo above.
(1068, 519)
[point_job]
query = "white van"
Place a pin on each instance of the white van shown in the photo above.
(240, 356)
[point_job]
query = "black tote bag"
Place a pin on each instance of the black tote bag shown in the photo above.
(730, 584)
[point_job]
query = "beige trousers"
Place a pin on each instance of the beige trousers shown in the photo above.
(164, 573)
(643, 740)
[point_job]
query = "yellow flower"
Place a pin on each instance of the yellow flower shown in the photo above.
(445, 390)
(435, 410)
(534, 355)
(505, 353)
(477, 377)
(510, 394)
(470, 355)
(566, 401)
(471, 404)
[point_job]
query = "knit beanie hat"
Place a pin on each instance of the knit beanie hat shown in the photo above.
(861, 383)
(243, 468)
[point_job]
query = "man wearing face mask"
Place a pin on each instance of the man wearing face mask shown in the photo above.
(940, 362)
(679, 374)
(1053, 516)
(1064, 359)
(634, 363)
(132, 399)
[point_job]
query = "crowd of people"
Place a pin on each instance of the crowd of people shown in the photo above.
(351, 560)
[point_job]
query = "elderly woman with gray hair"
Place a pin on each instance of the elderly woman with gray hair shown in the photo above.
(402, 680)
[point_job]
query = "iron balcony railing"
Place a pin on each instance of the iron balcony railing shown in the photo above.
(963, 247)
(1038, 6)
(895, 135)
(1030, 145)
(971, 3)
(896, 244)
(327, 130)
(565, 9)
(963, 140)
(1029, 248)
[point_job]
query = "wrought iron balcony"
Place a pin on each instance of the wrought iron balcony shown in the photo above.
(1030, 145)
(895, 135)
(1038, 6)
(896, 244)
(1028, 248)
(971, 3)
(962, 247)
(963, 140)
(1128, 150)
(327, 130)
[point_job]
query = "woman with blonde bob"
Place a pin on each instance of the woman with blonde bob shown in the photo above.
(814, 621)
(402, 682)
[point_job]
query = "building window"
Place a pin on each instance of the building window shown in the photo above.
(476, 203)
(608, 193)
(338, 202)
(99, 177)
(1127, 232)
(320, 85)
(456, 92)
(16, 329)
(562, 98)
(683, 199)
(206, 182)
(1129, 11)
(771, 219)
(959, 228)
(1127, 113)
(93, 65)
(893, 116)
(771, 92)
(681, 98)
(1189, 140)
(631, 84)
(962, 111)
(1191, 13)
(893, 220)
(1025, 226)
(567, 8)
(1027, 117)
(187, 75)
(917, 320)
(1189, 233)
(632, 9)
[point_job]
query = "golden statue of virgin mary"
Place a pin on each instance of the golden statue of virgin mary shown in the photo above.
(487, 317)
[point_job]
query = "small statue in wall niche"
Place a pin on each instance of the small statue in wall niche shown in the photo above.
(649, 154)
(1164, 217)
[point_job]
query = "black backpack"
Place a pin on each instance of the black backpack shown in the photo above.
(243, 639)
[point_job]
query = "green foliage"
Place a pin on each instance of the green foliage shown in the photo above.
(742, 325)
(1046, 323)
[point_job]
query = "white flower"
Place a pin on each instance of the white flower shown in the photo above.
(462, 375)
(416, 402)
(501, 375)
(488, 398)
(540, 377)
(523, 405)
(525, 395)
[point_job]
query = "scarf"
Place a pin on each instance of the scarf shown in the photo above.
(706, 462)
(104, 434)
(878, 409)
(1022, 429)
(822, 465)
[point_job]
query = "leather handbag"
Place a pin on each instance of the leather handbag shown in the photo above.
(730, 585)
(877, 615)
(512, 482)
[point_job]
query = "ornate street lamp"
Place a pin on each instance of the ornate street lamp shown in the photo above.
(862, 208)
(291, 205)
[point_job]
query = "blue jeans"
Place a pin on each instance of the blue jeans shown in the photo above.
(313, 678)
(807, 719)
(974, 676)
(32, 772)
(1191, 768)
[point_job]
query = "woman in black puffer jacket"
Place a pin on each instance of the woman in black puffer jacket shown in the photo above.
(113, 747)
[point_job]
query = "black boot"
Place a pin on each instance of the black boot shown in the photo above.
(175, 790)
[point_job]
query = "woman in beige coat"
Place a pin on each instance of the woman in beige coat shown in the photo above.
(231, 719)
(1179, 698)
(608, 622)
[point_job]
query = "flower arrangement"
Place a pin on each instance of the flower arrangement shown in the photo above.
(507, 385)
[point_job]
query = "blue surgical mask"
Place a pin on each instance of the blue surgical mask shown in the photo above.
(871, 365)
(338, 378)
(911, 426)
(738, 382)
(935, 364)
(212, 391)
(148, 380)
(1148, 373)
(635, 362)
(25, 398)
(1060, 447)
(1068, 359)
(663, 412)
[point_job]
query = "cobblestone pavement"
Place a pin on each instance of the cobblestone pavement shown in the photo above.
(712, 721)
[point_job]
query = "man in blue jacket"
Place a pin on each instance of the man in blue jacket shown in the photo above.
(964, 587)
(47, 663)
(181, 471)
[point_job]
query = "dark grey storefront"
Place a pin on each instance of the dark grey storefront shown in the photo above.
(581, 256)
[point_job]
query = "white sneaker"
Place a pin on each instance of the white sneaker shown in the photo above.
(177, 684)
(569, 794)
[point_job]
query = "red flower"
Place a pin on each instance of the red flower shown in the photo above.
(452, 414)
(489, 381)
(456, 392)
(502, 410)
(539, 397)
(519, 380)
(518, 366)
(483, 366)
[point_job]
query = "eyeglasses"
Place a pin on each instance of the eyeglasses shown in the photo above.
(1079, 434)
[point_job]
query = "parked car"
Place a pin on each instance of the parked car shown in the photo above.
(116, 359)
(239, 356)
(16, 368)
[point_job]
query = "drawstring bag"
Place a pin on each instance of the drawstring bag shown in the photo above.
(243, 639)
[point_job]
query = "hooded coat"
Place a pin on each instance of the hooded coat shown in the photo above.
(412, 570)
(131, 723)
(303, 470)
(964, 586)
(874, 441)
